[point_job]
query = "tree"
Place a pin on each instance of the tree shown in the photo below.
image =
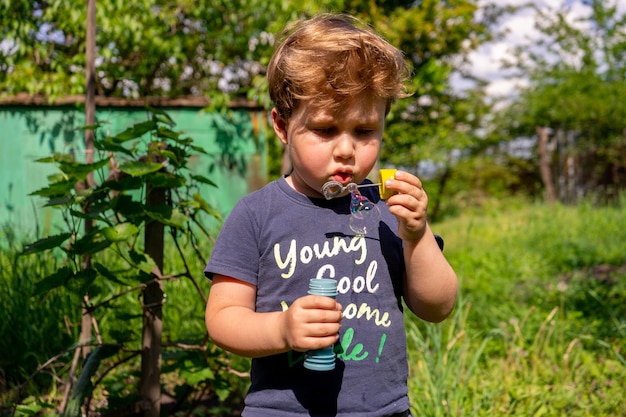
(425, 130)
(577, 86)
(220, 49)
(435, 37)
(145, 47)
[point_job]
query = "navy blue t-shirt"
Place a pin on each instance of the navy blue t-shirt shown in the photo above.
(278, 239)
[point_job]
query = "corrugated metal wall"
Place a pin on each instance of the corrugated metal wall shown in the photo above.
(28, 133)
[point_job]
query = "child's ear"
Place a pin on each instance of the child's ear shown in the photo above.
(280, 126)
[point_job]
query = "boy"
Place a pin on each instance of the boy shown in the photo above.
(332, 81)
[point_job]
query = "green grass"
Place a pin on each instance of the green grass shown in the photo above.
(44, 329)
(540, 327)
(32, 329)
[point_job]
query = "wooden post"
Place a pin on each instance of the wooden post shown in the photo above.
(90, 74)
(544, 163)
(90, 116)
(90, 120)
(152, 311)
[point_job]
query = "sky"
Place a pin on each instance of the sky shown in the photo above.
(485, 62)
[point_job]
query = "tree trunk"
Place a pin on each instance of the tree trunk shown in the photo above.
(90, 116)
(544, 163)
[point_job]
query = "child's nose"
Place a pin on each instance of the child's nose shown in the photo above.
(344, 146)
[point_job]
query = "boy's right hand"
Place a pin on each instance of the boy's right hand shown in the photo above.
(311, 322)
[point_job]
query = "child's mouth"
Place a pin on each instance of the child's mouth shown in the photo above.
(342, 177)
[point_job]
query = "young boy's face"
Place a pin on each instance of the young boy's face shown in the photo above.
(332, 146)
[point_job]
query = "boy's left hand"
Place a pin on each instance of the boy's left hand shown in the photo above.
(409, 205)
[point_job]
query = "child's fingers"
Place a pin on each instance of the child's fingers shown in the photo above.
(409, 178)
(405, 183)
(312, 327)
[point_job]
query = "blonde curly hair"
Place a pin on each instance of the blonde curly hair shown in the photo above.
(330, 58)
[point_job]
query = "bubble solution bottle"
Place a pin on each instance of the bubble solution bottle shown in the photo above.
(321, 359)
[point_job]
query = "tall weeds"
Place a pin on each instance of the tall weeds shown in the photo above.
(540, 325)
(443, 361)
(32, 329)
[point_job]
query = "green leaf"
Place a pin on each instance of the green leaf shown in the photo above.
(167, 120)
(123, 184)
(198, 149)
(58, 177)
(27, 409)
(168, 155)
(166, 215)
(139, 168)
(161, 115)
(57, 279)
(84, 386)
(57, 189)
(223, 393)
(142, 261)
(91, 243)
(80, 171)
(56, 157)
(120, 232)
(127, 207)
(60, 202)
(109, 145)
(136, 131)
(46, 160)
(47, 243)
(100, 200)
(165, 133)
(203, 180)
(96, 210)
(79, 283)
(166, 180)
(186, 141)
(196, 376)
(176, 155)
(105, 272)
(80, 215)
(206, 207)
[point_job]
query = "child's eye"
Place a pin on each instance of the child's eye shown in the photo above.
(324, 131)
(364, 132)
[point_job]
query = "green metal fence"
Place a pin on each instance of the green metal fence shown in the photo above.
(235, 144)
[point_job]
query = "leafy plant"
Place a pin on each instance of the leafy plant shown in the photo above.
(137, 188)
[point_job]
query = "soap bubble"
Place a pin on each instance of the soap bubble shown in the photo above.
(364, 215)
